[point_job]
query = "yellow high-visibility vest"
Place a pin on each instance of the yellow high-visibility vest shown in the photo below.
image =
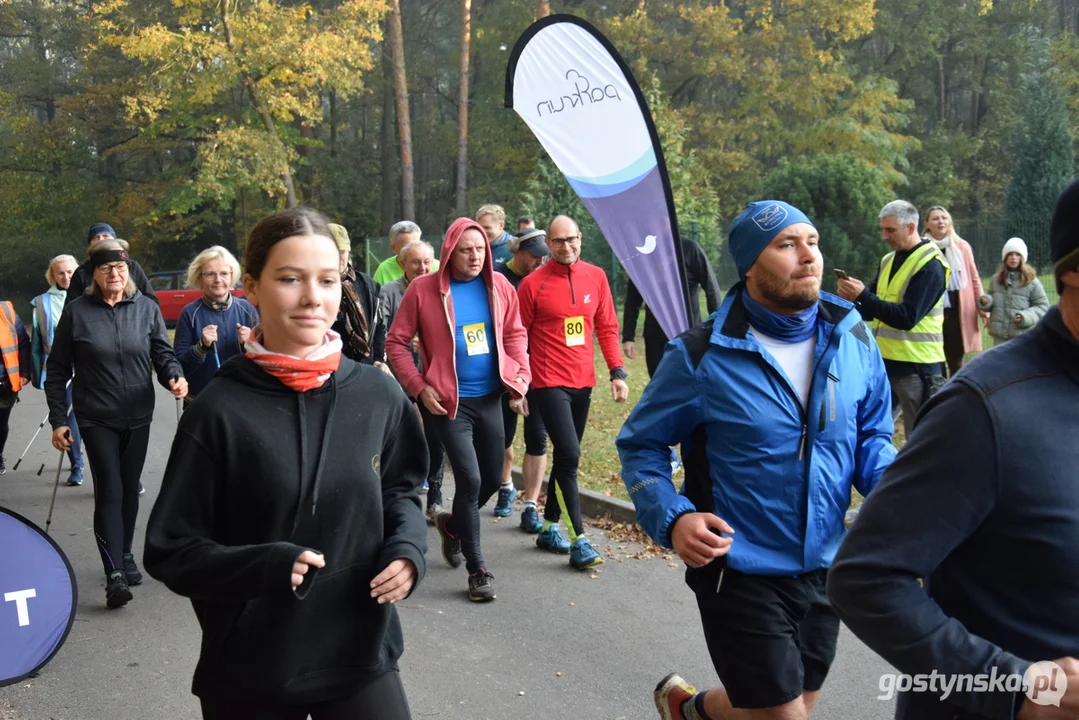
(924, 343)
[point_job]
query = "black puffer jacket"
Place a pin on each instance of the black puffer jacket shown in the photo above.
(112, 351)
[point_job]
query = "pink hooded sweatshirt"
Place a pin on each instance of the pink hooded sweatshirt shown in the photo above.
(427, 311)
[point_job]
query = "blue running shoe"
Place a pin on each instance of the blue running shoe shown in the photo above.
(551, 539)
(583, 554)
(506, 496)
(530, 519)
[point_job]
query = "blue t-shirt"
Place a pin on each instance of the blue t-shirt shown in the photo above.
(477, 364)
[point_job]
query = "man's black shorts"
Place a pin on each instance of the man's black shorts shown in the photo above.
(535, 431)
(770, 637)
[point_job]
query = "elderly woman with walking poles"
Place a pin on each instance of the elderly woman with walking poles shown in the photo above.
(111, 340)
(47, 309)
(217, 325)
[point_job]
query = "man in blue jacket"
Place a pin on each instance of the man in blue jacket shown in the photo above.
(983, 505)
(781, 403)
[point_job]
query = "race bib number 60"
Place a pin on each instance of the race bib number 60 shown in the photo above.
(575, 331)
(476, 339)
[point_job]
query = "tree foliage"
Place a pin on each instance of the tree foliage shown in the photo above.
(1045, 149)
(145, 115)
(843, 196)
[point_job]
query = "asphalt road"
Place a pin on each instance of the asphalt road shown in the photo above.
(556, 643)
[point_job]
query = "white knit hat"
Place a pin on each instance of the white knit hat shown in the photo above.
(1014, 245)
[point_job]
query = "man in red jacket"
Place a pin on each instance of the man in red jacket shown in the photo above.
(473, 350)
(562, 304)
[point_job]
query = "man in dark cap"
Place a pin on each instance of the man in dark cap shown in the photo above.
(83, 277)
(983, 504)
(528, 249)
(699, 276)
(781, 404)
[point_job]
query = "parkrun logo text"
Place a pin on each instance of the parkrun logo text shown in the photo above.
(1043, 682)
(583, 92)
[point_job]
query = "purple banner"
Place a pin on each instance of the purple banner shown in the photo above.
(38, 598)
(577, 95)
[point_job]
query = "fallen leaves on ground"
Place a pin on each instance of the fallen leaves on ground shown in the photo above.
(630, 542)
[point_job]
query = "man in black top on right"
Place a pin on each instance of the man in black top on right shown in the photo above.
(983, 505)
(698, 275)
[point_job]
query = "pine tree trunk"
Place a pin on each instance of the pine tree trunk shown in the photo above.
(462, 108)
(386, 163)
(404, 123)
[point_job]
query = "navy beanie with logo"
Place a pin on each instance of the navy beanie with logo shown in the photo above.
(758, 224)
(100, 229)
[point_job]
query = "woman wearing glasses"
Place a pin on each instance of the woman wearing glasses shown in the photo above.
(112, 340)
(217, 325)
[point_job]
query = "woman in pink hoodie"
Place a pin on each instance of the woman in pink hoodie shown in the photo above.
(473, 348)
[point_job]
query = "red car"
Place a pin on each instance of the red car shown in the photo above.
(172, 293)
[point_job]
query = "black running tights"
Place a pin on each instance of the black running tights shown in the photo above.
(564, 412)
(116, 459)
(474, 447)
(382, 699)
(5, 415)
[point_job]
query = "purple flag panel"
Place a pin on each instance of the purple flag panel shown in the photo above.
(38, 598)
(578, 96)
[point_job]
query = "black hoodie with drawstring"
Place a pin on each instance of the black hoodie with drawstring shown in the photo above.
(257, 474)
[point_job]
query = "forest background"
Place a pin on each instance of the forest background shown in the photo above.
(182, 122)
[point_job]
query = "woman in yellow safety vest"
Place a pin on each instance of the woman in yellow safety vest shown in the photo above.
(15, 347)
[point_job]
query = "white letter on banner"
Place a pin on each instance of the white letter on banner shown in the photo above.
(20, 597)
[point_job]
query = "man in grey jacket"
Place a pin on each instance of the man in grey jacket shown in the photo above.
(982, 504)
(417, 258)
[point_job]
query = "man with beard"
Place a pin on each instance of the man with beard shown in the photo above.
(905, 308)
(781, 403)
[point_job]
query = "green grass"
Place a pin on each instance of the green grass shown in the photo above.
(600, 468)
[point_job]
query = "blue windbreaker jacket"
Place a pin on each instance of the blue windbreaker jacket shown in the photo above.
(778, 474)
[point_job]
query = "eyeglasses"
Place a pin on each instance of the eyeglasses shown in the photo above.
(214, 276)
(116, 268)
(565, 241)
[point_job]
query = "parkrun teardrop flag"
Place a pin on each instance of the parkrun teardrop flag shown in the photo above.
(578, 96)
(38, 598)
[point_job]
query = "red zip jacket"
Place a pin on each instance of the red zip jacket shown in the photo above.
(561, 305)
(426, 310)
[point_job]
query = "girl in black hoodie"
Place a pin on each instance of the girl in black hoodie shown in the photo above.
(289, 512)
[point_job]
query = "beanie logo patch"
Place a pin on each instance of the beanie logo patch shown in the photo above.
(770, 218)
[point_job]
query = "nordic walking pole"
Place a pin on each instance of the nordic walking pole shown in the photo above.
(16, 467)
(52, 503)
(179, 405)
(35, 438)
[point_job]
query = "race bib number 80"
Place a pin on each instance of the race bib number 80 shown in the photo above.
(476, 339)
(575, 331)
